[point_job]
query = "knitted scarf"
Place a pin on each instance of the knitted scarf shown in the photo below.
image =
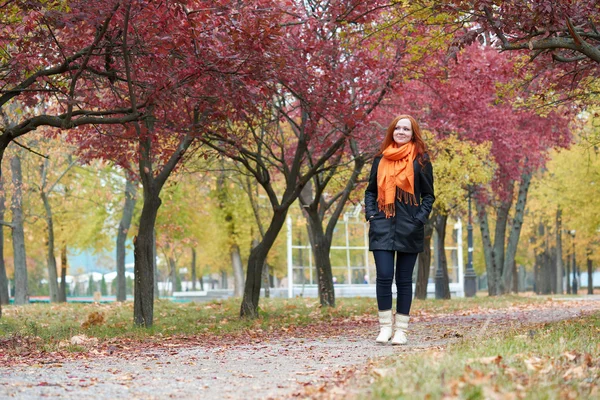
(395, 177)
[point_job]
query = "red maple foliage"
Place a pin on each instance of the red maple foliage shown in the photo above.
(560, 36)
(475, 98)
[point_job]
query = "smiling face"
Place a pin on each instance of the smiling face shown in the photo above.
(403, 132)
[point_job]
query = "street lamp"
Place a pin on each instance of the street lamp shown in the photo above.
(574, 290)
(470, 283)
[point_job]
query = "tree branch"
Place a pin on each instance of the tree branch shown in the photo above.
(6, 223)
(86, 59)
(29, 149)
(90, 117)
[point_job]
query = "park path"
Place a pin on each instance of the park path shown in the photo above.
(302, 364)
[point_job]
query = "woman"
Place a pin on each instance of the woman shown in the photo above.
(398, 201)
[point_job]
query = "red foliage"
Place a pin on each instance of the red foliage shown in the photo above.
(186, 58)
(560, 36)
(468, 99)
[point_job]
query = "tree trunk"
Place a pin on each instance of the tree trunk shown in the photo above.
(536, 274)
(143, 293)
(590, 271)
(51, 258)
(124, 225)
(154, 266)
(18, 234)
(499, 243)
(548, 262)
(315, 207)
(267, 283)
(234, 251)
(224, 283)
(62, 292)
(515, 278)
(559, 252)
(424, 261)
(238, 270)
(173, 273)
(541, 261)
(515, 232)
(321, 247)
(552, 271)
(487, 248)
(193, 266)
(4, 293)
(440, 227)
(258, 256)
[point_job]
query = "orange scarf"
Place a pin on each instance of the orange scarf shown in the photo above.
(396, 177)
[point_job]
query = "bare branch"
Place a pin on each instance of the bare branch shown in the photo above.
(29, 149)
(6, 223)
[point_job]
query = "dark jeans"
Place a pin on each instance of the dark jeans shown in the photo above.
(384, 264)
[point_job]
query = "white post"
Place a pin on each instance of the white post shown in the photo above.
(290, 264)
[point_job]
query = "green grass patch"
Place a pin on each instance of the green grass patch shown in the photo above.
(551, 361)
(49, 324)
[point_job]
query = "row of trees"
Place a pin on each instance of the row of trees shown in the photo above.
(291, 92)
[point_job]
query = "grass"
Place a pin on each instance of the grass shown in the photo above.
(51, 323)
(552, 361)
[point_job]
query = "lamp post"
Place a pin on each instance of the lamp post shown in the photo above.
(470, 282)
(439, 273)
(574, 290)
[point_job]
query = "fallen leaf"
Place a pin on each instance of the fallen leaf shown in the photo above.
(486, 360)
(382, 372)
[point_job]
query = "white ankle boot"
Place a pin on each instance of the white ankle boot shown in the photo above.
(385, 326)
(401, 328)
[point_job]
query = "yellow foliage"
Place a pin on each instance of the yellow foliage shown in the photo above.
(458, 164)
(570, 182)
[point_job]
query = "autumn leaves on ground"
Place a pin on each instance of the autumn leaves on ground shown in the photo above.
(516, 346)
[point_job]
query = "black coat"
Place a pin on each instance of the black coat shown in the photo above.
(405, 231)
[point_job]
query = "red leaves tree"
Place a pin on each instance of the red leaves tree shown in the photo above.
(193, 66)
(331, 77)
(475, 98)
(561, 38)
(54, 64)
(565, 30)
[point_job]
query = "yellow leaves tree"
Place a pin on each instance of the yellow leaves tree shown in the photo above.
(458, 166)
(570, 186)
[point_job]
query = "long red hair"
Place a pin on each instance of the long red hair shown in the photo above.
(417, 138)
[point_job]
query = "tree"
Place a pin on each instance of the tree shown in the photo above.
(175, 70)
(564, 31)
(458, 167)
(471, 97)
(330, 81)
(51, 174)
(123, 230)
(18, 234)
(103, 288)
(566, 190)
(560, 37)
(55, 60)
(4, 294)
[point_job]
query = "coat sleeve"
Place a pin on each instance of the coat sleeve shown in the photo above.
(371, 191)
(427, 193)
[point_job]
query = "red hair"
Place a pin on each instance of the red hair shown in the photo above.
(417, 138)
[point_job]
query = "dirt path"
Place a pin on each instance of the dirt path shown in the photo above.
(283, 367)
